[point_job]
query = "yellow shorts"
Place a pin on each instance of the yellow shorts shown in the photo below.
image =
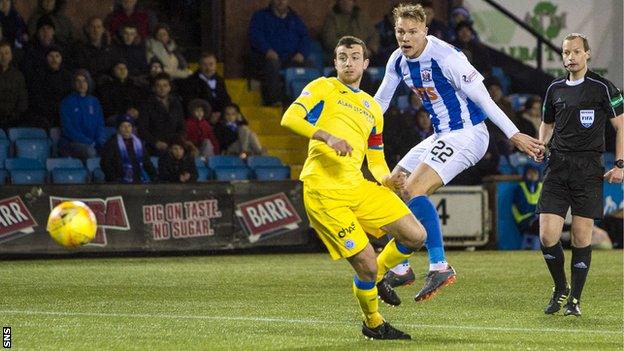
(342, 217)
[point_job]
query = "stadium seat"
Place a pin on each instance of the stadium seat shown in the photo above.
(5, 145)
(296, 79)
(33, 148)
(2, 134)
(203, 174)
(55, 136)
(28, 176)
(272, 173)
(263, 161)
(609, 160)
(200, 162)
(69, 175)
(218, 161)
(154, 160)
(376, 73)
(21, 163)
(503, 78)
(93, 166)
(316, 55)
(329, 71)
(27, 133)
(504, 167)
(518, 100)
(64, 162)
(3, 175)
(232, 173)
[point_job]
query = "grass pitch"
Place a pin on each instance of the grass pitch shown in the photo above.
(297, 302)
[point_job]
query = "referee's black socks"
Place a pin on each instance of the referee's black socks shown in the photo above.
(581, 259)
(554, 260)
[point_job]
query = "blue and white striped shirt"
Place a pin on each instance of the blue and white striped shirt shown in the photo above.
(439, 76)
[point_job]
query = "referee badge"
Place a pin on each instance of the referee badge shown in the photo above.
(587, 118)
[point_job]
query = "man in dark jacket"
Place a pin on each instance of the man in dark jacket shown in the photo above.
(124, 156)
(96, 54)
(206, 84)
(34, 60)
(161, 117)
(132, 50)
(13, 96)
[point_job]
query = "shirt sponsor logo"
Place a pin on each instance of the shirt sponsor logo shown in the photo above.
(305, 93)
(344, 231)
(425, 74)
(587, 118)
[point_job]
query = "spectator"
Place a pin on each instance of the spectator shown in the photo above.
(235, 136)
(346, 18)
(127, 12)
(177, 165)
(48, 90)
(131, 50)
(423, 126)
(207, 84)
(13, 95)
(96, 54)
(34, 60)
(399, 135)
(161, 117)
(82, 120)
(279, 39)
(198, 129)
(530, 117)
(459, 14)
(476, 52)
(387, 39)
(436, 27)
(12, 24)
(120, 94)
(64, 29)
(124, 156)
(525, 197)
(163, 47)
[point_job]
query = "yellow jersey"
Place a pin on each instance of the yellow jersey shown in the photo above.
(352, 115)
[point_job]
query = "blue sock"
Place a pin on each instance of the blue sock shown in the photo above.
(427, 214)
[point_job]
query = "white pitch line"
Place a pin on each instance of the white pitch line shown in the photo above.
(307, 321)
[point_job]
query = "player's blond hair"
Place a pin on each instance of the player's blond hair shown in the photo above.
(415, 12)
(573, 36)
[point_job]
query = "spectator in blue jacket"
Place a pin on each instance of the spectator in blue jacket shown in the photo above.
(82, 120)
(279, 39)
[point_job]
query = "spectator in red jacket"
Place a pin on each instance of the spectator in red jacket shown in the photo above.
(127, 12)
(198, 128)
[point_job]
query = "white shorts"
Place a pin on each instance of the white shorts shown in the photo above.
(451, 153)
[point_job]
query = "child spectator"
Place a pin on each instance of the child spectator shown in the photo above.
(198, 128)
(124, 156)
(177, 165)
(120, 94)
(64, 29)
(13, 95)
(13, 28)
(163, 47)
(82, 120)
(235, 136)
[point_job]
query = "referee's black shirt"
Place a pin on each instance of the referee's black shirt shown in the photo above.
(580, 112)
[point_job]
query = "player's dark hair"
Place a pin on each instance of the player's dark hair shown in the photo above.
(573, 36)
(349, 41)
(161, 76)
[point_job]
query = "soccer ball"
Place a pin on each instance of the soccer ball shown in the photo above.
(72, 224)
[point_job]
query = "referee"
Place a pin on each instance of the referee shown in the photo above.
(575, 112)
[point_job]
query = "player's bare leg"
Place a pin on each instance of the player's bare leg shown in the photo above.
(364, 287)
(581, 260)
(550, 233)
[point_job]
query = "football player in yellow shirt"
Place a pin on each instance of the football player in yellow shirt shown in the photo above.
(345, 125)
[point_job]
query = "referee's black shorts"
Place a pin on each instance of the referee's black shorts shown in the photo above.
(573, 180)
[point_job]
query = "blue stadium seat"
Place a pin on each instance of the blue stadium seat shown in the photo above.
(232, 173)
(21, 163)
(316, 56)
(55, 136)
(93, 166)
(218, 161)
(154, 160)
(69, 175)
(93, 163)
(503, 78)
(98, 176)
(33, 148)
(609, 160)
(27, 133)
(263, 161)
(376, 73)
(3, 175)
(272, 173)
(28, 176)
(200, 162)
(203, 174)
(329, 71)
(64, 162)
(2, 134)
(296, 79)
(504, 167)
(518, 100)
(5, 145)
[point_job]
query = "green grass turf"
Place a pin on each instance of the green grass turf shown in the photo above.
(297, 302)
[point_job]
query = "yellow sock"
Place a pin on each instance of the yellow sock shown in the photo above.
(369, 304)
(390, 257)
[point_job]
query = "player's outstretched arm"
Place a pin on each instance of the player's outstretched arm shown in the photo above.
(615, 174)
(527, 144)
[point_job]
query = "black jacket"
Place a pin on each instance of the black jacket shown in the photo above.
(46, 93)
(117, 97)
(112, 164)
(196, 88)
(170, 169)
(13, 97)
(134, 56)
(157, 123)
(97, 60)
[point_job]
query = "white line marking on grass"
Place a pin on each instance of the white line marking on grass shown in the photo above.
(306, 321)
